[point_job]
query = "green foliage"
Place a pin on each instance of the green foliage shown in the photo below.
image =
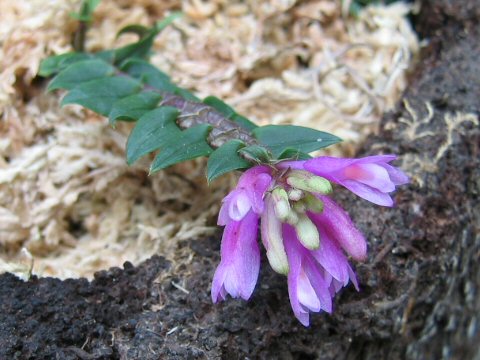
(293, 154)
(279, 138)
(80, 72)
(256, 153)
(99, 95)
(86, 11)
(225, 159)
(229, 113)
(122, 85)
(54, 64)
(190, 144)
(141, 48)
(134, 106)
(152, 131)
(151, 76)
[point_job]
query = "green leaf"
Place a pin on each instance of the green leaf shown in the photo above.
(293, 154)
(141, 48)
(140, 30)
(86, 12)
(162, 24)
(244, 122)
(99, 95)
(227, 111)
(278, 138)
(80, 72)
(134, 106)
(152, 131)
(190, 145)
(55, 64)
(226, 159)
(185, 94)
(256, 153)
(151, 76)
(148, 74)
(219, 105)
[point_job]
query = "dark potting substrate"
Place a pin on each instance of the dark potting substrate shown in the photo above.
(419, 295)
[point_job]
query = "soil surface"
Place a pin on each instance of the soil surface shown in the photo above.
(419, 295)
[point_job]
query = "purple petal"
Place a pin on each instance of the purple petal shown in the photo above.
(239, 205)
(295, 262)
(353, 278)
(368, 193)
(328, 167)
(240, 260)
(256, 191)
(306, 293)
(218, 291)
(339, 227)
(373, 175)
(294, 165)
(397, 176)
(375, 159)
(331, 257)
(319, 284)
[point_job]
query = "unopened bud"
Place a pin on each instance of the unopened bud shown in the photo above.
(271, 229)
(295, 194)
(313, 203)
(281, 203)
(292, 217)
(304, 180)
(307, 232)
(300, 206)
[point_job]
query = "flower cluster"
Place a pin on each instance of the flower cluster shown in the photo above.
(302, 229)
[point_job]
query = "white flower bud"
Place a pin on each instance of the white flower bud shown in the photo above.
(271, 231)
(307, 232)
(303, 180)
(281, 203)
(295, 194)
(313, 203)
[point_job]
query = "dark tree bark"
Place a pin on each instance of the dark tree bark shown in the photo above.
(419, 295)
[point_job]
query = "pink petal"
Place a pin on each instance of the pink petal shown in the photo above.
(375, 159)
(218, 291)
(239, 205)
(370, 174)
(324, 165)
(295, 262)
(368, 193)
(294, 165)
(339, 227)
(319, 283)
(240, 260)
(306, 294)
(256, 191)
(397, 176)
(331, 257)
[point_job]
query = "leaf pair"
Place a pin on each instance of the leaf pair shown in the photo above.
(157, 130)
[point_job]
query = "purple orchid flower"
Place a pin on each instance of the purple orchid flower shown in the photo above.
(371, 177)
(302, 229)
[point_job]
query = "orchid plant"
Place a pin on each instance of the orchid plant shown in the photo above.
(283, 190)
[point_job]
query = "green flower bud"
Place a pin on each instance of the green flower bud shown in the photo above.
(307, 232)
(295, 194)
(300, 206)
(292, 217)
(313, 203)
(281, 203)
(271, 230)
(306, 181)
